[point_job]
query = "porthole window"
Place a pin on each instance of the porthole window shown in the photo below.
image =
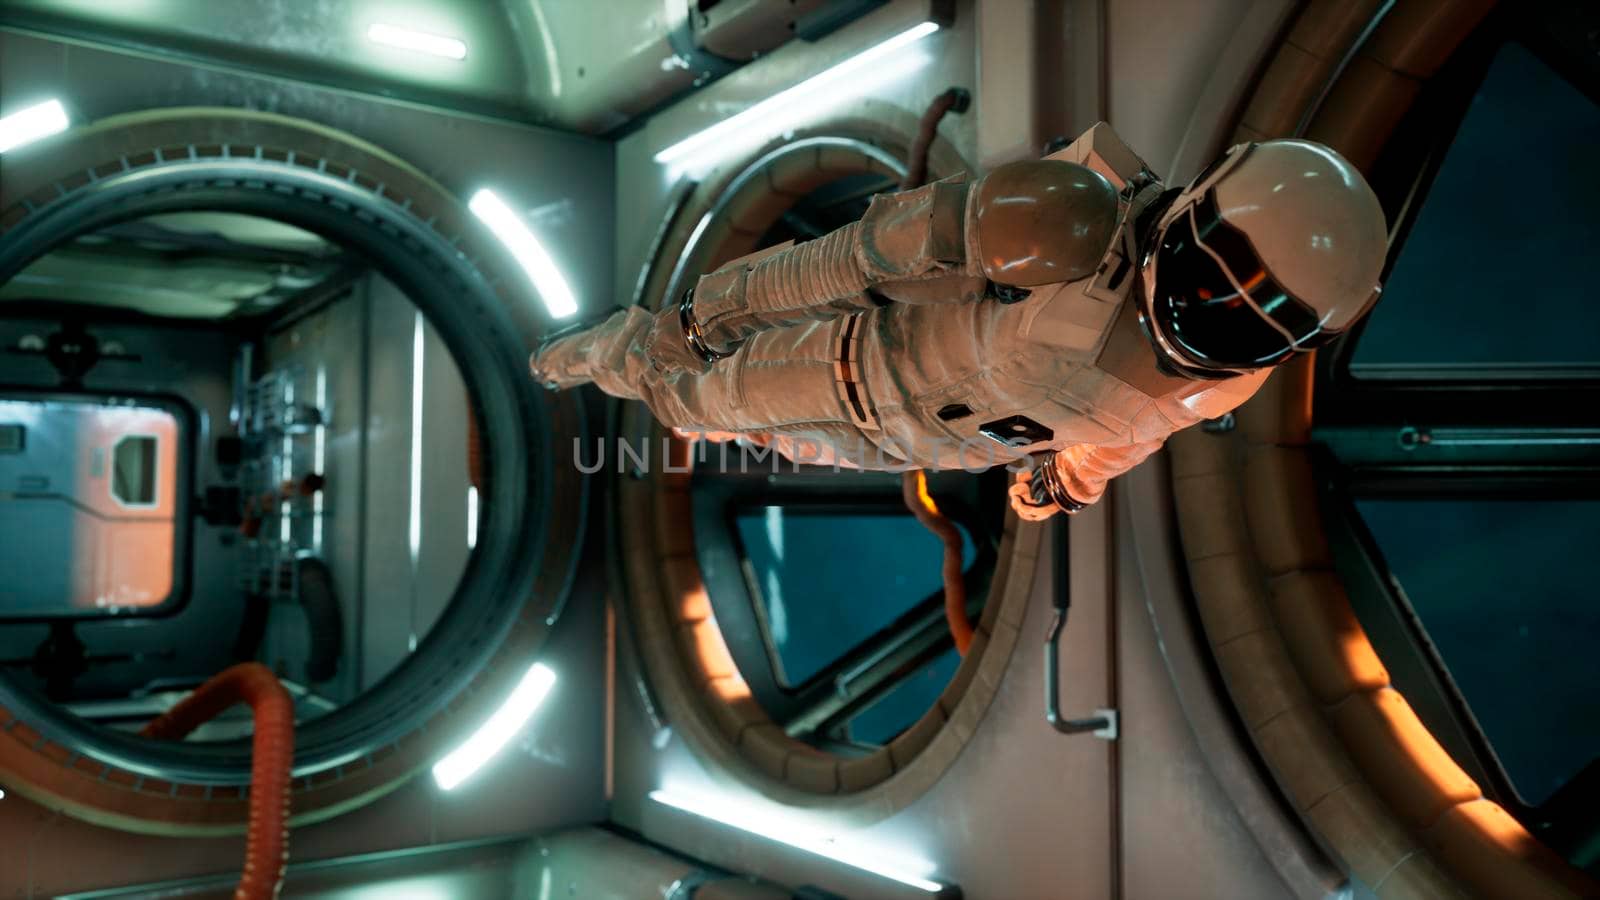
(1462, 463)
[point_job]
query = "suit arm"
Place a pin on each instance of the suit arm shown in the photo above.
(1077, 475)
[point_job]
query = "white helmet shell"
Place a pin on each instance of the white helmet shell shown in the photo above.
(1275, 248)
(1315, 223)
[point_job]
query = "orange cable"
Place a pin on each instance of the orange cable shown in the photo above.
(266, 852)
(914, 490)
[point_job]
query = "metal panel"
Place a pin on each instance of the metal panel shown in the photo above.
(444, 480)
(389, 597)
(589, 863)
(536, 61)
(1183, 833)
(1156, 76)
(323, 43)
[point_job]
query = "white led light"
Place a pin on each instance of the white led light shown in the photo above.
(488, 740)
(420, 41)
(472, 516)
(530, 254)
(31, 124)
(415, 533)
(848, 78)
(773, 827)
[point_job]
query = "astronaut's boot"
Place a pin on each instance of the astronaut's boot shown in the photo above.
(567, 356)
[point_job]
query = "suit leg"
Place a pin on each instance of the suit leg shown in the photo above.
(780, 385)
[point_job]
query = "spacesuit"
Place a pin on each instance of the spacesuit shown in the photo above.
(1070, 313)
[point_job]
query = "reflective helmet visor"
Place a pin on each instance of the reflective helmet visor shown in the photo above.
(1216, 321)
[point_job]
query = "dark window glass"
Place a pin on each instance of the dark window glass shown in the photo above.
(899, 709)
(827, 581)
(1506, 591)
(1496, 278)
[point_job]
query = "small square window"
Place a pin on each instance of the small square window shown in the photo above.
(133, 470)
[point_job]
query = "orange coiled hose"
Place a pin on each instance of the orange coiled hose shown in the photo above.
(266, 853)
(474, 449)
(952, 100)
(914, 490)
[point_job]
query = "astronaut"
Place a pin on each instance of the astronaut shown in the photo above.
(1062, 316)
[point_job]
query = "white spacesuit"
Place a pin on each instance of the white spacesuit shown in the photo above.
(1069, 311)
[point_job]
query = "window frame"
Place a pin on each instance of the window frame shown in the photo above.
(814, 710)
(183, 512)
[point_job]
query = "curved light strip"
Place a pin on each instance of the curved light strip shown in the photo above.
(31, 124)
(419, 41)
(494, 734)
(824, 88)
(530, 254)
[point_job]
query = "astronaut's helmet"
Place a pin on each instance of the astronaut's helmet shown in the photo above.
(1275, 248)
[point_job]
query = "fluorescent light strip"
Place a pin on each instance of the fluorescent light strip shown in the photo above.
(319, 457)
(416, 440)
(488, 740)
(784, 104)
(420, 41)
(472, 517)
(772, 827)
(286, 467)
(529, 253)
(31, 124)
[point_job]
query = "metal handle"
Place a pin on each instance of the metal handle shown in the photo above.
(1103, 724)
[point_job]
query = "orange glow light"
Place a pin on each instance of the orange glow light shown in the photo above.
(925, 498)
